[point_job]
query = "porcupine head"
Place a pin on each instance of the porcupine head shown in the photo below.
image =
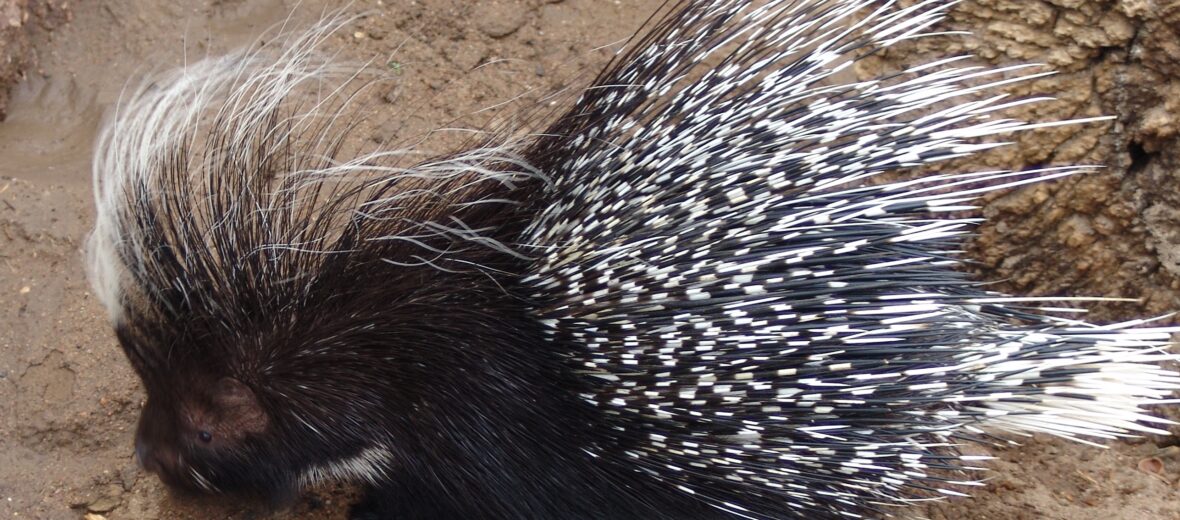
(296, 315)
(680, 299)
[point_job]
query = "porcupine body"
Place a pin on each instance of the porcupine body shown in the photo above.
(684, 300)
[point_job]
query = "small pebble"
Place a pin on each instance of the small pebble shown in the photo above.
(1170, 453)
(1152, 465)
(498, 21)
(104, 504)
(391, 96)
(128, 475)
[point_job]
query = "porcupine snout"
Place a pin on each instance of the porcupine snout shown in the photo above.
(154, 456)
(152, 460)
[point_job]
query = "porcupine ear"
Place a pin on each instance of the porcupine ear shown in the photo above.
(241, 405)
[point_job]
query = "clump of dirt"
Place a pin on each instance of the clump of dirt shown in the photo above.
(69, 401)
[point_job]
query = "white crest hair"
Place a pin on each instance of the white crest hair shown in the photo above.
(191, 146)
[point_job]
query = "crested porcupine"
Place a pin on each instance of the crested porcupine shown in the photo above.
(687, 298)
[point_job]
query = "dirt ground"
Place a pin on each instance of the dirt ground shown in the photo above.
(68, 400)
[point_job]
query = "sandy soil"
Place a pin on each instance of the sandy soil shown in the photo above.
(68, 401)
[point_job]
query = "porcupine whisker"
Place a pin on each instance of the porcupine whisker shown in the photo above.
(202, 481)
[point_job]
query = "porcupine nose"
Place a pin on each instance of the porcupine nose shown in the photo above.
(153, 459)
(153, 444)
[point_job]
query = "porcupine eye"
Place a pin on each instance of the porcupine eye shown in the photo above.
(232, 413)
